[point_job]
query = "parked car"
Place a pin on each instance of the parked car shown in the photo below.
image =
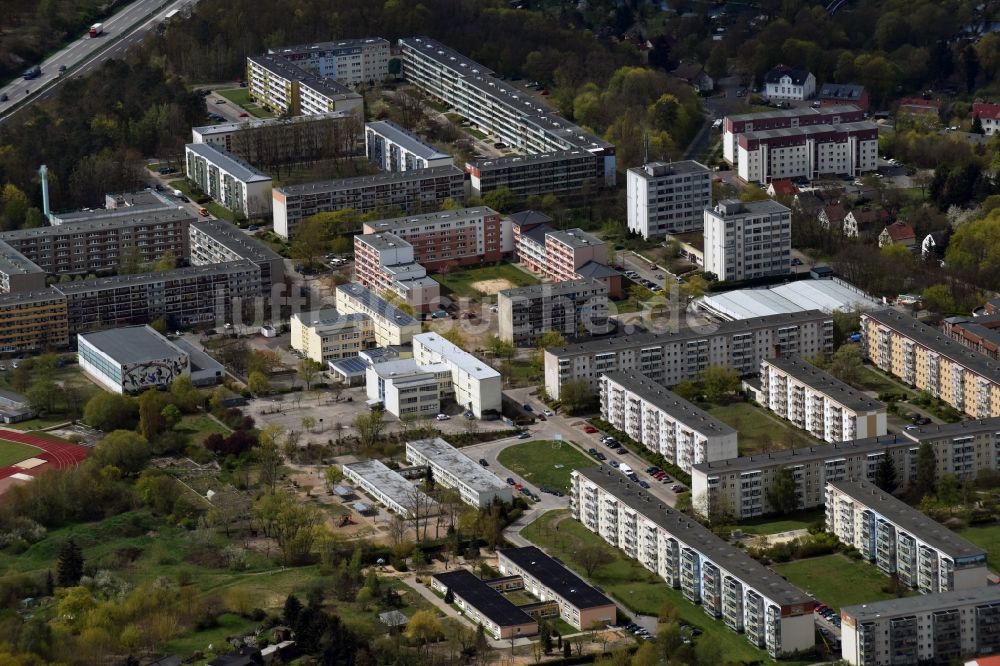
(592, 451)
(601, 456)
(524, 435)
(484, 462)
(541, 417)
(677, 488)
(547, 412)
(526, 407)
(615, 464)
(443, 417)
(510, 481)
(589, 429)
(644, 484)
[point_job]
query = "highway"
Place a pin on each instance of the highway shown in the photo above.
(121, 32)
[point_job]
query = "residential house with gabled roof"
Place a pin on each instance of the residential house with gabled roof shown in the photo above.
(898, 233)
(989, 116)
(782, 187)
(695, 75)
(808, 204)
(784, 82)
(835, 94)
(831, 216)
(861, 220)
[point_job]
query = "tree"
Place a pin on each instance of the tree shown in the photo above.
(130, 261)
(423, 627)
(308, 370)
(502, 199)
(166, 262)
(312, 237)
(186, 395)
(269, 454)
(885, 474)
(455, 337)
(719, 382)
(977, 125)
(547, 340)
(370, 426)
(545, 637)
(846, 363)
(926, 477)
(110, 411)
(151, 421)
(258, 383)
(783, 495)
(576, 396)
(939, 298)
(687, 390)
(449, 596)
(591, 556)
(69, 566)
(126, 450)
(694, 287)
(499, 348)
(15, 206)
(44, 396)
(171, 414)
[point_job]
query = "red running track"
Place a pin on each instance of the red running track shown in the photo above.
(57, 454)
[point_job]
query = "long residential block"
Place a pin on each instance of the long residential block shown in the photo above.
(817, 401)
(266, 141)
(926, 629)
(394, 148)
(348, 61)
(667, 197)
(278, 84)
(772, 613)
(541, 173)
(927, 359)
(477, 386)
(736, 125)
(901, 540)
(573, 308)
(476, 485)
(32, 321)
(218, 242)
(664, 422)
(739, 486)
(671, 357)
(411, 191)
(232, 182)
(390, 325)
(18, 273)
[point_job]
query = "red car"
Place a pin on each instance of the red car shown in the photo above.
(541, 417)
(244, 114)
(589, 429)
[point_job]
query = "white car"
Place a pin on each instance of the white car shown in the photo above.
(443, 417)
(547, 412)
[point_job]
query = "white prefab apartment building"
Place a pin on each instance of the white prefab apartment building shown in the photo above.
(476, 385)
(664, 422)
(739, 485)
(390, 325)
(347, 61)
(816, 401)
(393, 148)
(229, 180)
(736, 125)
(477, 486)
(925, 629)
(405, 387)
(327, 335)
(902, 541)
(671, 357)
(807, 152)
(285, 88)
(217, 241)
(389, 488)
(729, 585)
(667, 197)
(575, 307)
(748, 239)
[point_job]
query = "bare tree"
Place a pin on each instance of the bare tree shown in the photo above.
(397, 530)
(591, 556)
(420, 507)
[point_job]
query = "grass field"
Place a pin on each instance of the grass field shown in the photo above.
(873, 380)
(35, 424)
(987, 538)
(800, 521)
(241, 97)
(544, 463)
(197, 427)
(13, 452)
(459, 282)
(760, 431)
(633, 585)
(836, 580)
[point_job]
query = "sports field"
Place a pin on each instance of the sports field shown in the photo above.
(12, 453)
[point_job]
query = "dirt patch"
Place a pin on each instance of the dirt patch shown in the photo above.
(492, 286)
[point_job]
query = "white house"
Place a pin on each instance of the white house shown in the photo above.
(784, 82)
(476, 385)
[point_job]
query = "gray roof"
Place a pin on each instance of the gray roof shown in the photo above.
(938, 342)
(393, 618)
(383, 240)
(556, 577)
(911, 520)
(455, 355)
(130, 202)
(26, 297)
(444, 454)
(660, 169)
(843, 91)
(575, 238)
(113, 219)
(596, 271)
(495, 606)
(669, 402)
(376, 303)
(794, 113)
(239, 169)
(396, 224)
(327, 317)
(356, 182)
(338, 45)
(798, 76)
(529, 217)
(255, 123)
(234, 240)
(116, 281)
(13, 262)
(536, 158)
(827, 384)
(555, 289)
(923, 603)
(823, 128)
(406, 139)
(735, 207)
(389, 481)
(751, 572)
(287, 69)
(200, 361)
(132, 344)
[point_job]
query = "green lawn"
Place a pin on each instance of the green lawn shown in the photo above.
(36, 424)
(12, 452)
(837, 581)
(241, 97)
(760, 431)
(800, 521)
(459, 282)
(229, 625)
(520, 373)
(544, 463)
(197, 427)
(871, 379)
(633, 585)
(987, 538)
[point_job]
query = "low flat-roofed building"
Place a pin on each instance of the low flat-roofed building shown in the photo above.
(664, 422)
(234, 183)
(902, 541)
(450, 467)
(580, 604)
(393, 148)
(818, 402)
(205, 370)
(327, 335)
(390, 325)
(828, 295)
(573, 308)
(389, 488)
(484, 605)
(14, 407)
(476, 386)
(405, 387)
(32, 321)
(924, 629)
(218, 241)
(131, 359)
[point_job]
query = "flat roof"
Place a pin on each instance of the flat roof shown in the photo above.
(389, 481)
(132, 344)
(667, 401)
(376, 303)
(115, 219)
(382, 240)
(499, 609)
(444, 454)
(200, 361)
(909, 519)
(412, 175)
(24, 297)
(556, 577)
(923, 603)
(659, 169)
(937, 341)
(408, 140)
(327, 317)
(751, 572)
(822, 128)
(289, 70)
(828, 295)
(575, 238)
(13, 262)
(234, 240)
(239, 169)
(734, 207)
(132, 202)
(407, 369)
(533, 158)
(825, 383)
(456, 355)
(554, 289)
(255, 123)
(794, 113)
(596, 270)
(330, 45)
(720, 328)
(114, 281)
(458, 214)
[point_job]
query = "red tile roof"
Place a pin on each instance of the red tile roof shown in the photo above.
(784, 186)
(986, 110)
(900, 231)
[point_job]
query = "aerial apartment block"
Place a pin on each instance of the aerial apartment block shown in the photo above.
(664, 422)
(394, 148)
(232, 182)
(729, 585)
(450, 238)
(573, 308)
(404, 387)
(476, 385)
(980, 333)
(412, 191)
(218, 242)
(736, 125)
(539, 173)
(267, 141)
(476, 485)
(816, 401)
(671, 357)
(32, 321)
(925, 358)
(925, 629)
(350, 62)
(384, 263)
(748, 239)
(667, 198)
(390, 325)
(389, 488)
(18, 273)
(738, 486)
(327, 335)
(902, 541)
(816, 151)
(283, 87)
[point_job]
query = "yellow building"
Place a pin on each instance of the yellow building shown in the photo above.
(33, 320)
(327, 335)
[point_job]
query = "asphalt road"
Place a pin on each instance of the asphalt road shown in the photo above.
(121, 32)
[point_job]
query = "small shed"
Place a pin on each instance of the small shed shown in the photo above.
(820, 272)
(342, 491)
(350, 371)
(393, 619)
(363, 508)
